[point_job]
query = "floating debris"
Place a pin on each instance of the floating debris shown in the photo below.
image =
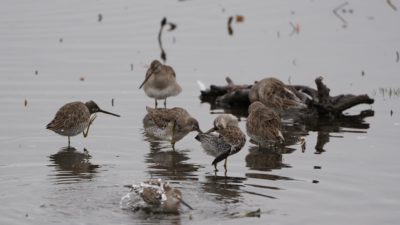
(36, 72)
(295, 29)
(362, 73)
(100, 17)
(336, 12)
(239, 18)
(60, 40)
(397, 56)
(317, 167)
(389, 2)
(131, 67)
(82, 79)
(390, 92)
(391, 112)
(315, 181)
(112, 102)
(26, 102)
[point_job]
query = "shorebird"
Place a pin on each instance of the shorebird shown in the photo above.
(169, 124)
(160, 82)
(227, 140)
(274, 93)
(160, 196)
(263, 125)
(74, 118)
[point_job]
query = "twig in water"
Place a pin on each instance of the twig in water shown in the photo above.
(389, 2)
(335, 11)
(230, 30)
(163, 55)
(172, 27)
(397, 56)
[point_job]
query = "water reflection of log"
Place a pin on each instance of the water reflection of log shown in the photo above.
(72, 165)
(224, 188)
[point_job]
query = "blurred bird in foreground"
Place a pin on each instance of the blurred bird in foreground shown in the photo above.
(157, 195)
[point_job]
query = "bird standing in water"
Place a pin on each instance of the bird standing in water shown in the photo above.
(74, 118)
(227, 140)
(263, 125)
(160, 196)
(169, 124)
(160, 82)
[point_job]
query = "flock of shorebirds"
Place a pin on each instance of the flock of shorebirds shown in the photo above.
(222, 140)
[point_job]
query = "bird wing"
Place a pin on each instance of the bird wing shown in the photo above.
(68, 116)
(161, 117)
(233, 136)
(170, 70)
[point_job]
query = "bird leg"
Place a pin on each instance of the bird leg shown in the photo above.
(215, 166)
(155, 103)
(85, 133)
(173, 135)
(226, 160)
(69, 141)
(165, 103)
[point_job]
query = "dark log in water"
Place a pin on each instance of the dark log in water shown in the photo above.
(319, 102)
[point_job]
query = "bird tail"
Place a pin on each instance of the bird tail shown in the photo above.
(221, 157)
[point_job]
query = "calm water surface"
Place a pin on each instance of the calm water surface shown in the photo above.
(54, 52)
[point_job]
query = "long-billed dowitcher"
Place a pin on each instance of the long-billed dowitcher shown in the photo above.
(274, 93)
(264, 125)
(74, 118)
(228, 140)
(160, 82)
(159, 196)
(169, 124)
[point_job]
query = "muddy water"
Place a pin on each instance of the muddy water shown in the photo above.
(54, 52)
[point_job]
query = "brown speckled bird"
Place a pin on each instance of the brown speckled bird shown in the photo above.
(169, 124)
(74, 118)
(227, 140)
(274, 93)
(160, 82)
(264, 125)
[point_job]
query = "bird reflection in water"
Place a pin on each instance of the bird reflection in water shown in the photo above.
(167, 163)
(224, 188)
(72, 166)
(267, 160)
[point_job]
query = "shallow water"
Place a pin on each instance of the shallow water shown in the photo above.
(54, 52)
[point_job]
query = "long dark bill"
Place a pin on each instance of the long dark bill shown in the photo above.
(187, 205)
(100, 110)
(210, 130)
(147, 77)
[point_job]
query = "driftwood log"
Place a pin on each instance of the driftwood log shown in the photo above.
(320, 103)
(324, 113)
